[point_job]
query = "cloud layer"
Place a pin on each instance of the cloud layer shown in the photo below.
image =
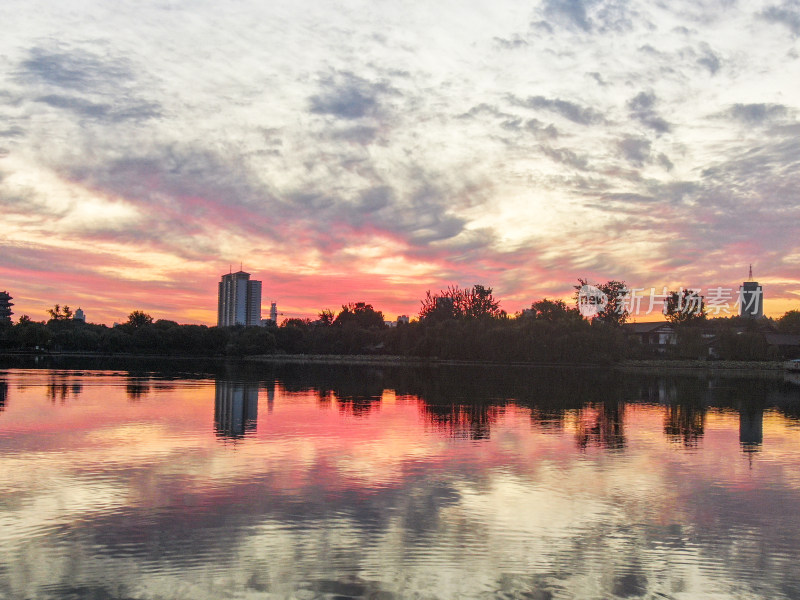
(358, 152)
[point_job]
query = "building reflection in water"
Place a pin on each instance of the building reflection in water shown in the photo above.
(235, 408)
(751, 426)
(270, 397)
(3, 394)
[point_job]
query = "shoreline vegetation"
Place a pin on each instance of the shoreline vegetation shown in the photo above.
(455, 326)
(383, 360)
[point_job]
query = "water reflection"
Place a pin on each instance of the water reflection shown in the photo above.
(685, 421)
(3, 394)
(63, 386)
(235, 408)
(580, 485)
(136, 388)
(601, 425)
(751, 425)
(466, 421)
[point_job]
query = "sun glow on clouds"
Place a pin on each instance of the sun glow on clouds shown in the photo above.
(398, 148)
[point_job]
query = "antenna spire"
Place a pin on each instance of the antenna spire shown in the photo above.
(750, 274)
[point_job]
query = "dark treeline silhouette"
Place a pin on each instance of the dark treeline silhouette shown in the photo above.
(453, 324)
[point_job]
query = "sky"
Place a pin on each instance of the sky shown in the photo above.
(370, 151)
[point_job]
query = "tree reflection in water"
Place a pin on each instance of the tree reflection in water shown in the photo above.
(64, 385)
(136, 388)
(601, 425)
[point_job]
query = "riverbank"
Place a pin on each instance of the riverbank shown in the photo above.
(715, 365)
(412, 361)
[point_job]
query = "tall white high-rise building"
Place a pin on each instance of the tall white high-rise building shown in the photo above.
(239, 300)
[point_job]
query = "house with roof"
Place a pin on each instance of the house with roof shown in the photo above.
(656, 336)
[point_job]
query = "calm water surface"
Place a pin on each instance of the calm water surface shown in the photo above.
(337, 482)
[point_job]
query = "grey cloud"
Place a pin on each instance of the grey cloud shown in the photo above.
(569, 110)
(630, 198)
(642, 102)
(542, 27)
(423, 216)
(182, 191)
(787, 14)
(359, 134)
(615, 16)
(512, 123)
(376, 199)
(642, 109)
(589, 15)
(665, 162)
(750, 197)
(76, 105)
(86, 85)
(531, 126)
(598, 78)
(510, 44)
(76, 70)
(635, 150)
(11, 132)
(483, 109)
(756, 113)
(568, 12)
(709, 59)
(348, 96)
(566, 156)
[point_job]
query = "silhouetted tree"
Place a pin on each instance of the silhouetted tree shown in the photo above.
(139, 319)
(360, 314)
(447, 304)
(615, 295)
(684, 307)
(58, 314)
(476, 302)
(554, 311)
(789, 322)
(326, 317)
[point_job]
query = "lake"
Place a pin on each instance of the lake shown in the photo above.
(225, 481)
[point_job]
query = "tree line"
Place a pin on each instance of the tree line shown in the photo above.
(453, 324)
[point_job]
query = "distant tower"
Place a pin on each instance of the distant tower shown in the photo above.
(751, 298)
(79, 315)
(273, 312)
(5, 307)
(239, 300)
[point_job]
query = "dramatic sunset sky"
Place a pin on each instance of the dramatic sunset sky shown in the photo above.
(369, 151)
